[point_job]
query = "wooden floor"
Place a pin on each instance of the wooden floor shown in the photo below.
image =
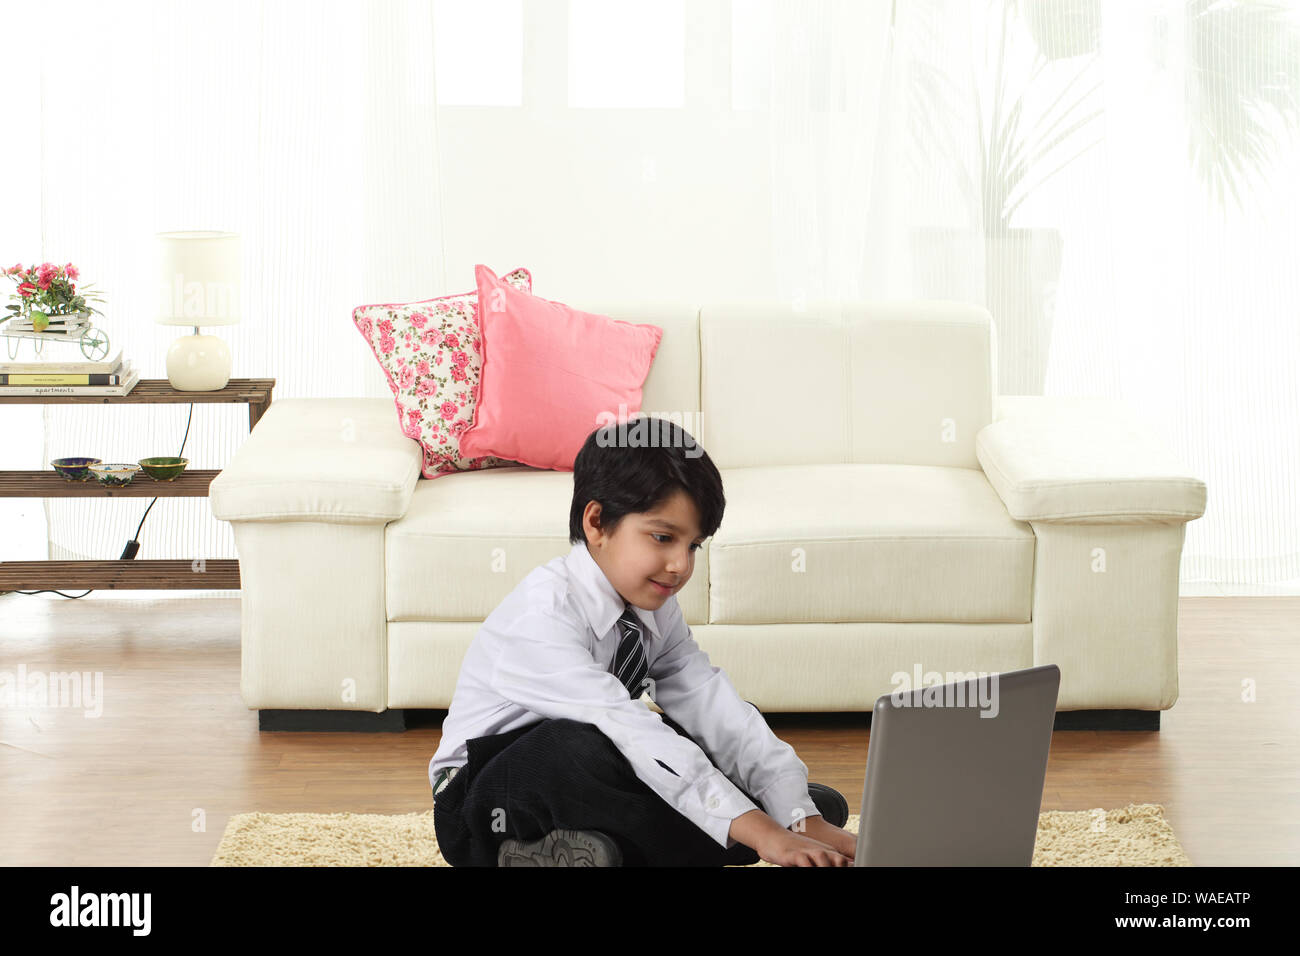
(155, 777)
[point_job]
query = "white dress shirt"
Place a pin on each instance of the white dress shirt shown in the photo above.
(546, 651)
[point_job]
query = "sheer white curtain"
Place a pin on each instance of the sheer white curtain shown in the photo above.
(307, 127)
(1062, 161)
(1115, 180)
(828, 60)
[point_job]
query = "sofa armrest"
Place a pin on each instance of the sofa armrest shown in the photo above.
(332, 460)
(1084, 461)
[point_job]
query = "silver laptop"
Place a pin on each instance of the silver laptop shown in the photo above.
(955, 772)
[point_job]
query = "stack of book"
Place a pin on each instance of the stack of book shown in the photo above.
(112, 376)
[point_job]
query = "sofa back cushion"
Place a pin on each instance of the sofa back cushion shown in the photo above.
(906, 383)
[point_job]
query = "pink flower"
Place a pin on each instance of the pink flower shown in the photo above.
(412, 430)
(14, 269)
(427, 386)
(419, 319)
(386, 344)
(413, 416)
(386, 326)
(407, 378)
(459, 358)
(423, 367)
(451, 341)
(27, 290)
(458, 372)
(458, 427)
(72, 272)
(448, 411)
(365, 326)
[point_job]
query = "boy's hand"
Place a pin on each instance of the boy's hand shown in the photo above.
(837, 838)
(780, 846)
(799, 849)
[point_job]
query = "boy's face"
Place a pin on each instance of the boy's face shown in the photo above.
(647, 548)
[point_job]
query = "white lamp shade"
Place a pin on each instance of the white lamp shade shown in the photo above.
(200, 278)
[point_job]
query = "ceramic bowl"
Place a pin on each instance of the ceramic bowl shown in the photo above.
(163, 469)
(114, 473)
(74, 469)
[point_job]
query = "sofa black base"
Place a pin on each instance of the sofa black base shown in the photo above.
(345, 721)
(389, 721)
(1107, 720)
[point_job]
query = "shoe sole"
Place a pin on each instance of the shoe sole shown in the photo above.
(561, 848)
(841, 804)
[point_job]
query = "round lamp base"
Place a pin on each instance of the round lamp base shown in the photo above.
(198, 363)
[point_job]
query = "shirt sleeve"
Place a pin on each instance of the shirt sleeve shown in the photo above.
(545, 665)
(700, 697)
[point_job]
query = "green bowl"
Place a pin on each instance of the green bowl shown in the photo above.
(163, 469)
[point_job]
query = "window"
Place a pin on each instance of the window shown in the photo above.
(478, 52)
(627, 53)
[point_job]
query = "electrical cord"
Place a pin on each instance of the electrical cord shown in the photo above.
(132, 546)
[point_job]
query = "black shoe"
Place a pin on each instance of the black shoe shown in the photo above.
(562, 848)
(830, 802)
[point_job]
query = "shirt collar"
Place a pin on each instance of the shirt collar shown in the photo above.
(600, 601)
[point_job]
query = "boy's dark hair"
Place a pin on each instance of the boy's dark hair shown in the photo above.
(627, 476)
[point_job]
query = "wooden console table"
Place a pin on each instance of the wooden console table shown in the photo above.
(216, 574)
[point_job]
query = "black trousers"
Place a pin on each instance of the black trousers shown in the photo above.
(566, 774)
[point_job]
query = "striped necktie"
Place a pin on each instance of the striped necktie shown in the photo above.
(630, 665)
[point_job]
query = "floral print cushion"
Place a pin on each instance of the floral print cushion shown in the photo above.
(432, 354)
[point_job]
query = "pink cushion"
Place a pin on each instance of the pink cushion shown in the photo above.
(430, 353)
(549, 371)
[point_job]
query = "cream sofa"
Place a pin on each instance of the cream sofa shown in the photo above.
(887, 512)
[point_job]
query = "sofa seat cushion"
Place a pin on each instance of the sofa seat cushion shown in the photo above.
(865, 542)
(468, 538)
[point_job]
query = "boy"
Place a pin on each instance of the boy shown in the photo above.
(548, 754)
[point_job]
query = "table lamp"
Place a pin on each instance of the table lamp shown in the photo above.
(199, 284)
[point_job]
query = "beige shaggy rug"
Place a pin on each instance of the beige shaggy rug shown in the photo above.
(1135, 835)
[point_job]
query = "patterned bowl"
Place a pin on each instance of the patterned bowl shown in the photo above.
(163, 469)
(74, 469)
(116, 473)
